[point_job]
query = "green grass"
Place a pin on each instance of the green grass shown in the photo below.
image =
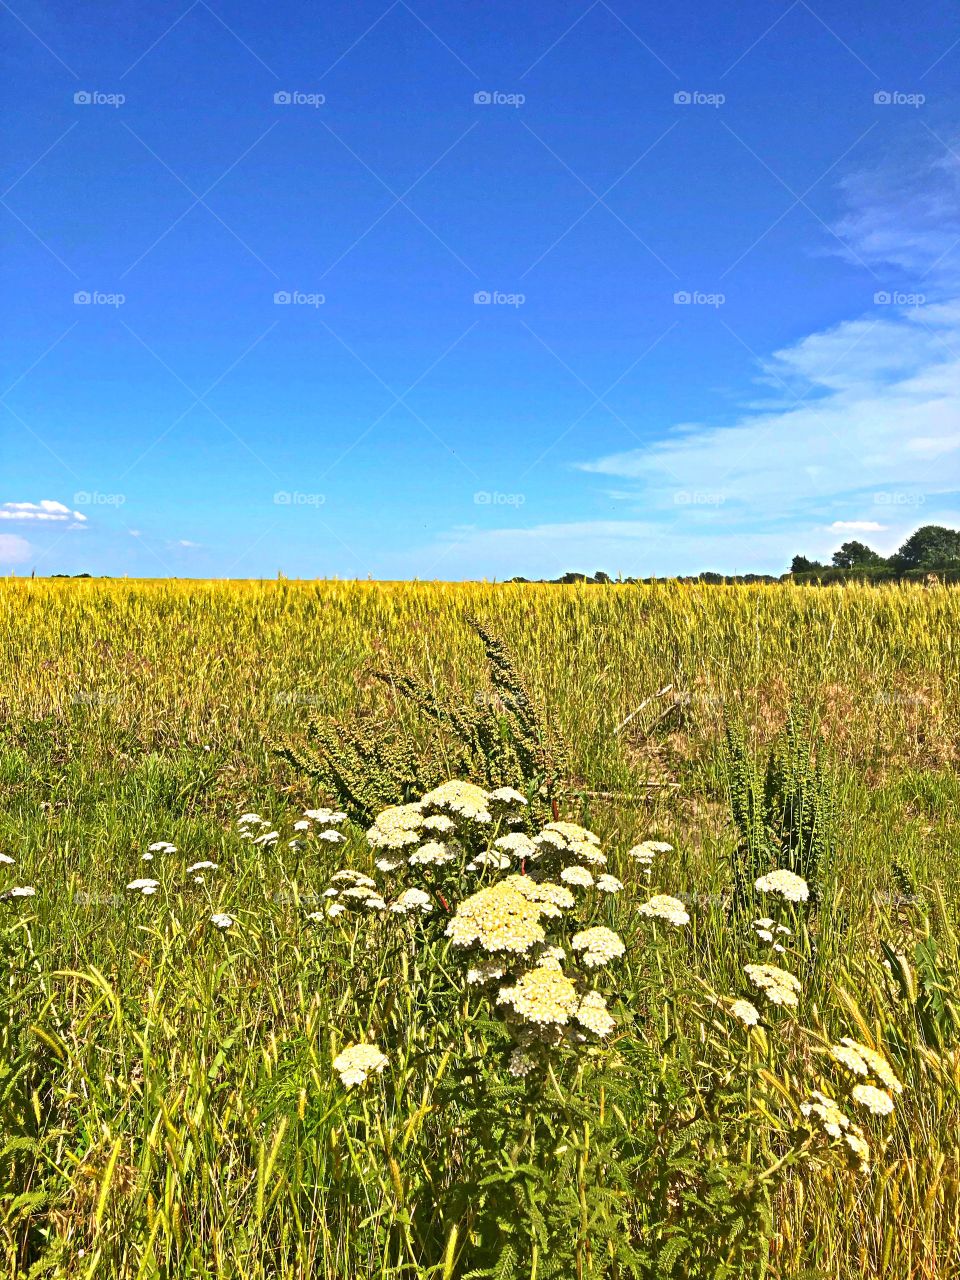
(175, 1112)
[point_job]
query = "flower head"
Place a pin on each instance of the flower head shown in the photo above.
(412, 900)
(594, 1014)
(831, 1118)
(496, 919)
(745, 1011)
(220, 920)
(577, 875)
(609, 884)
(145, 887)
(791, 887)
(202, 866)
(463, 798)
(599, 946)
(357, 1062)
(542, 996)
(328, 816)
(396, 827)
(877, 1101)
(876, 1063)
(662, 907)
(778, 985)
(21, 891)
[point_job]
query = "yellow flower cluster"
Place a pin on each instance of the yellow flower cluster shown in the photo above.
(463, 798)
(542, 996)
(498, 918)
(778, 985)
(396, 827)
(575, 842)
(745, 1012)
(594, 1014)
(551, 899)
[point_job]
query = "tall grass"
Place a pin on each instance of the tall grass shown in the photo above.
(167, 1095)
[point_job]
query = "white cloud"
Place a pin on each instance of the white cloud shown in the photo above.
(46, 510)
(859, 526)
(185, 542)
(14, 549)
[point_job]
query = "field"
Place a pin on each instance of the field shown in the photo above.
(168, 1098)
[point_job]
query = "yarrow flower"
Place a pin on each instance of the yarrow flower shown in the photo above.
(594, 1014)
(778, 985)
(609, 884)
(507, 796)
(433, 853)
(551, 899)
(578, 876)
(520, 1064)
(877, 1101)
(647, 850)
(791, 887)
(861, 1060)
(662, 907)
(6, 859)
(146, 887)
(220, 920)
(599, 946)
(542, 996)
(202, 866)
(396, 827)
(463, 798)
(332, 837)
(831, 1118)
(744, 1011)
(161, 846)
(21, 891)
(326, 816)
(517, 843)
(490, 858)
(498, 918)
(575, 841)
(357, 1062)
(412, 900)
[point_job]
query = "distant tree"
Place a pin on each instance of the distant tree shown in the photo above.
(603, 578)
(856, 555)
(932, 546)
(801, 564)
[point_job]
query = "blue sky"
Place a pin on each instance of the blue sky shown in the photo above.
(720, 248)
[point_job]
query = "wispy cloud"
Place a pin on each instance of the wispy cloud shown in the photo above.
(44, 511)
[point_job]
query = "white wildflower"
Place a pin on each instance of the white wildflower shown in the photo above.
(877, 1101)
(609, 884)
(220, 920)
(357, 1062)
(412, 900)
(791, 887)
(599, 946)
(662, 907)
(578, 876)
(202, 866)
